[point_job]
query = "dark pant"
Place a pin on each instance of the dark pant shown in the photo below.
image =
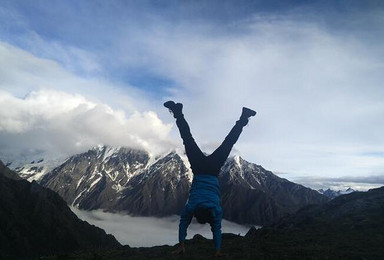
(211, 164)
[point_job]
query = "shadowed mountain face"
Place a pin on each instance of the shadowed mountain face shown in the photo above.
(348, 227)
(255, 195)
(121, 179)
(357, 210)
(36, 221)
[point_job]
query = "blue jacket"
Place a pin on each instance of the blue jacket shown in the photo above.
(204, 193)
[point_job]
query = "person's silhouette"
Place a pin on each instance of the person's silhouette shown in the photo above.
(204, 195)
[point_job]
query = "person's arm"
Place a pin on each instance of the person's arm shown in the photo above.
(216, 230)
(185, 220)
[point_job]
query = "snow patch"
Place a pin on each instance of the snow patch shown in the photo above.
(117, 187)
(79, 182)
(184, 158)
(77, 197)
(94, 183)
(36, 169)
(110, 152)
(236, 158)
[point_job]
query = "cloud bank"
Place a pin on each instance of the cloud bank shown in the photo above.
(361, 183)
(52, 121)
(46, 110)
(150, 231)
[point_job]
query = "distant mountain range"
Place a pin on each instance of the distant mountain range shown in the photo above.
(35, 221)
(132, 181)
(333, 194)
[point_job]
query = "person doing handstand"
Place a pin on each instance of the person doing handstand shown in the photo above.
(204, 196)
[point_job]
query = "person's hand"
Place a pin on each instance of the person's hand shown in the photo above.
(180, 249)
(219, 254)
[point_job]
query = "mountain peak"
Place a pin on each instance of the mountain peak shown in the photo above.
(237, 159)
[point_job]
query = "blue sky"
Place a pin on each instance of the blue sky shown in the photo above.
(74, 74)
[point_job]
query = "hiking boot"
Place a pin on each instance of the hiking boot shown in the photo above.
(246, 114)
(174, 108)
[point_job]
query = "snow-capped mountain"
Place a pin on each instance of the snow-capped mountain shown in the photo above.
(333, 194)
(122, 179)
(36, 169)
(32, 167)
(133, 181)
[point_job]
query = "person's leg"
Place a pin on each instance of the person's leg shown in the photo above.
(195, 155)
(220, 155)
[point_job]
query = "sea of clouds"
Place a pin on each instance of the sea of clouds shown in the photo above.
(150, 231)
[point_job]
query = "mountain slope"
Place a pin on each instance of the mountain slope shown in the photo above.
(36, 221)
(122, 179)
(350, 226)
(357, 209)
(92, 179)
(160, 190)
(255, 195)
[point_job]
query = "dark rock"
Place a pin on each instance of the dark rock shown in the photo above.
(198, 237)
(251, 232)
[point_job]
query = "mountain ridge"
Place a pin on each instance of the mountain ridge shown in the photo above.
(131, 180)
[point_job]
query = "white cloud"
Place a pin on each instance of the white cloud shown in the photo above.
(22, 72)
(54, 121)
(150, 231)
